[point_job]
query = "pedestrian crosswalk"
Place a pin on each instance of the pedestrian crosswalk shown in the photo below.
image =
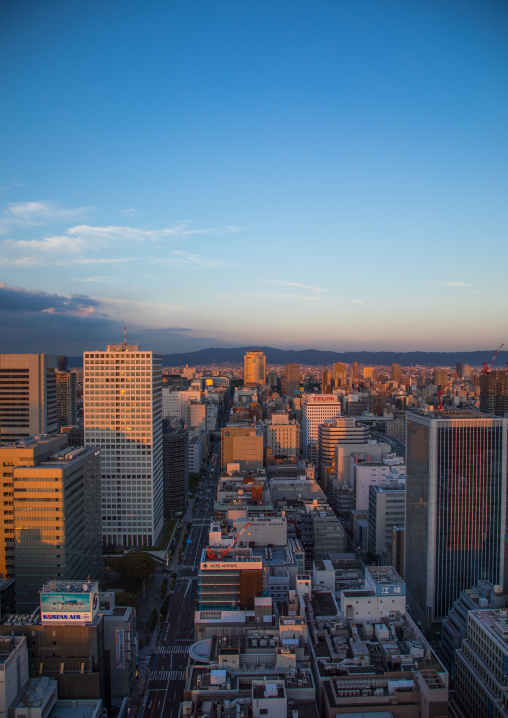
(168, 676)
(172, 649)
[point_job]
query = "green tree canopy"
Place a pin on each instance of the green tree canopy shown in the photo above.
(136, 566)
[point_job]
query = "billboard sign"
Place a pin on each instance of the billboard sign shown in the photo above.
(233, 566)
(69, 607)
(120, 648)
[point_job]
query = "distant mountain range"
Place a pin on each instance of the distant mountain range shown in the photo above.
(316, 357)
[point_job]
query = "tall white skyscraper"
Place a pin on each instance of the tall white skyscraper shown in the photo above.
(123, 416)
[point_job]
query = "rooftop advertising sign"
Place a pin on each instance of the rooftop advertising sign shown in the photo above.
(234, 566)
(69, 607)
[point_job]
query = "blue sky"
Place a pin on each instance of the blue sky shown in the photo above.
(296, 174)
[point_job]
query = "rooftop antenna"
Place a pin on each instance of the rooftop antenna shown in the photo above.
(125, 335)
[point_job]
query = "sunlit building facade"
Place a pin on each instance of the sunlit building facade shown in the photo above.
(455, 508)
(254, 367)
(27, 396)
(123, 416)
(50, 524)
(290, 380)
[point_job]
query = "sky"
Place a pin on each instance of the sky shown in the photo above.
(286, 173)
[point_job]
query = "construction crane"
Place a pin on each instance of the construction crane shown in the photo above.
(486, 367)
(444, 391)
(220, 557)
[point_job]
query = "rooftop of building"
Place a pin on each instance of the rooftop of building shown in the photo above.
(76, 709)
(70, 587)
(384, 575)
(214, 707)
(389, 646)
(8, 644)
(273, 556)
(495, 622)
(36, 693)
(31, 442)
(450, 414)
(64, 458)
(387, 488)
(323, 604)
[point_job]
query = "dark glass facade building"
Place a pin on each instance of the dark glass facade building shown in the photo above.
(175, 470)
(494, 392)
(455, 508)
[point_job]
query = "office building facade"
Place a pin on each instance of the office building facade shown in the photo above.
(290, 380)
(176, 470)
(494, 392)
(338, 430)
(254, 368)
(282, 437)
(242, 445)
(455, 508)
(28, 404)
(123, 416)
(51, 518)
(66, 398)
(317, 408)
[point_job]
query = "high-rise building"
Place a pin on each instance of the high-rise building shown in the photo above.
(387, 504)
(272, 379)
(254, 368)
(317, 408)
(176, 471)
(326, 382)
(27, 396)
(460, 370)
(455, 507)
(51, 518)
(340, 375)
(396, 373)
(440, 377)
(123, 416)
(66, 398)
(290, 379)
(338, 430)
(494, 392)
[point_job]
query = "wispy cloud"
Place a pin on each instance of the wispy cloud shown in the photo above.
(453, 284)
(357, 301)
(300, 285)
(96, 244)
(131, 212)
(18, 214)
(102, 278)
(415, 231)
(184, 259)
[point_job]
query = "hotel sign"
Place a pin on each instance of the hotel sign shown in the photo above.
(235, 566)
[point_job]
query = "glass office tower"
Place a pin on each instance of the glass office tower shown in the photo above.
(455, 508)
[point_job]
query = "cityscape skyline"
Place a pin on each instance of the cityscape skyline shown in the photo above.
(199, 172)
